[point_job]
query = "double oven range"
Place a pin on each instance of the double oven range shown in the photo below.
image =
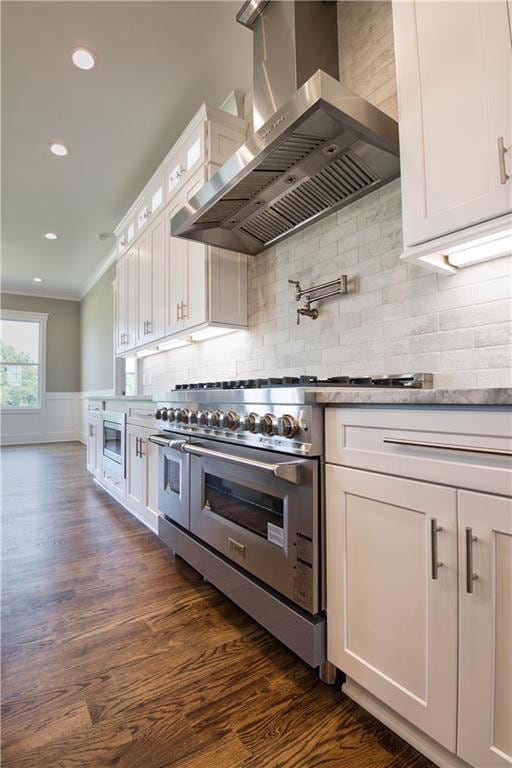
(241, 496)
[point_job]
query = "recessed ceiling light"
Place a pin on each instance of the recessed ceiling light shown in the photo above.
(37, 279)
(51, 236)
(59, 149)
(83, 59)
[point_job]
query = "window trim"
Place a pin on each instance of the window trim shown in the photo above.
(42, 319)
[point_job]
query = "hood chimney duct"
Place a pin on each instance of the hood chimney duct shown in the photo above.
(292, 40)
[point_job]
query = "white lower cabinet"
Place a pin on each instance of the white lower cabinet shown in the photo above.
(141, 475)
(419, 575)
(485, 662)
(392, 609)
(94, 445)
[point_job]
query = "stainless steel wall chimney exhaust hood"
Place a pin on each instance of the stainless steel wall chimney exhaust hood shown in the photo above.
(317, 146)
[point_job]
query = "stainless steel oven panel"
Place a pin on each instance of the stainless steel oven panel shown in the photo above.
(287, 558)
(174, 485)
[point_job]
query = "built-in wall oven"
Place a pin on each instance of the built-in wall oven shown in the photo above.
(113, 442)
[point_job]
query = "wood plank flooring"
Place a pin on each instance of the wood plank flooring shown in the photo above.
(115, 653)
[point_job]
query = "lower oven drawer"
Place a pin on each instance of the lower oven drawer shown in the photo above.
(267, 525)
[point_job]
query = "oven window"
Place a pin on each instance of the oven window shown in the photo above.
(253, 510)
(112, 441)
(172, 476)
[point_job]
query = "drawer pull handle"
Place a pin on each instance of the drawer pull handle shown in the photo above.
(449, 447)
(436, 563)
(502, 150)
(470, 575)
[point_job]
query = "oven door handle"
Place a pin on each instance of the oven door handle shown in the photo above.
(177, 445)
(287, 470)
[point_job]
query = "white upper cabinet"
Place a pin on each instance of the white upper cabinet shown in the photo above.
(165, 285)
(151, 286)
(454, 77)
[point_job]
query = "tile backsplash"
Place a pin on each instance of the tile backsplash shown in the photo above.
(397, 317)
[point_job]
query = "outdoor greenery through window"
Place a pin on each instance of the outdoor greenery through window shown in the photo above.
(19, 363)
(130, 373)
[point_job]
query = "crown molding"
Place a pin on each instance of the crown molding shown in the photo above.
(64, 296)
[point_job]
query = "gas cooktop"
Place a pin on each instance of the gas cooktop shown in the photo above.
(414, 380)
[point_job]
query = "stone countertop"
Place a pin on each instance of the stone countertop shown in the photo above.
(122, 398)
(382, 396)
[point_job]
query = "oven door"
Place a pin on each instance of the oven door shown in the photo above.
(261, 511)
(113, 442)
(173, 481)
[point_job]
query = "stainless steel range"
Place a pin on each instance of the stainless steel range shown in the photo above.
(241, 495)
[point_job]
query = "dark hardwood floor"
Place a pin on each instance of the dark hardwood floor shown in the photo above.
(117, 654)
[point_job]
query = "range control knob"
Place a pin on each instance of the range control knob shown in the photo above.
(252, 423)
(164, 414)
(267, 424)
(193, 418)
(215, 419)
(288, 426)
(183, 416)
(202, 418)
(230, 420)
(171, 414)
(158, 413)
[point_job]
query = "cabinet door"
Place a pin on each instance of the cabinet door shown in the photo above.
(121, 296)
(485, 671)
(391, 619)
(454, 76)
(175, 275)
(145, 289)
(92, 441)
(157, 244)
(135, 470)
(132, 298)
(194, 308)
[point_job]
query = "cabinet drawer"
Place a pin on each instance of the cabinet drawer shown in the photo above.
(142, 416)
(114, 485)
(453, 446)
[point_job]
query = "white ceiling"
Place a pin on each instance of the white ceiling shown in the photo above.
(158, 61)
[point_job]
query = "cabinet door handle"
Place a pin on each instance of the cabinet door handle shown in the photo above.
(149, 326)
(178, 312)
(470, 575)
(502, 150)
(448, 446)
(141, 442)
(91, 430)
(184, 311)
(137, 446)
(436, 563)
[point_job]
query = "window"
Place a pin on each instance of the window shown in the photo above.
(22, 338)
(130, 376)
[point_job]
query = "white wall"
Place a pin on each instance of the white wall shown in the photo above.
(58, 420)
(397, 318)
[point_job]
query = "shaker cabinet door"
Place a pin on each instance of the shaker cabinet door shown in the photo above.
(392, 593)
(454, 77)
(485, 586)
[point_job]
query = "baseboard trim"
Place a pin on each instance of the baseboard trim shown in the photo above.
(151, 522)
(435, 752)
(34, 439)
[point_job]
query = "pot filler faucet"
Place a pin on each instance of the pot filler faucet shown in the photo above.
(338, 287)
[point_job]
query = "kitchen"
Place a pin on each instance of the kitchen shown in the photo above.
(271, 396)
